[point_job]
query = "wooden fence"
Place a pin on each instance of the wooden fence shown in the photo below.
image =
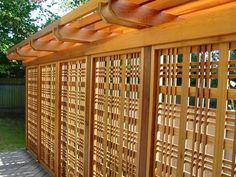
(12, 94)
(166, 110)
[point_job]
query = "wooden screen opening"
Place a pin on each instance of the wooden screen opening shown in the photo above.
(116, 125)
(48, 115)
(32, 109)
(195, 111)
(72, 117)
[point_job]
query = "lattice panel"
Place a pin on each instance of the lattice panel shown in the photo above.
(32, 109)
(229, 149)
(116, 115)
(73, 80)
(48, 114)
(168, 112)
(201, 112)
(200, 140)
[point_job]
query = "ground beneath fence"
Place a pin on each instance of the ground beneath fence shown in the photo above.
(20, 164)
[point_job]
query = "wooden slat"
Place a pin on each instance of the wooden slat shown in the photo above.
(195, 6)
(221, 105)
(183, 114)
(165, 4)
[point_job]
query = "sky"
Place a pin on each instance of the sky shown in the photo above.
(56, 9)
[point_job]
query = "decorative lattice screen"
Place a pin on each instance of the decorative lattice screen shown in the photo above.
(73, 80)
(193, 109)
(116, 114)
(32, 109)
(195, 117)
(229, 136)
(48, 114)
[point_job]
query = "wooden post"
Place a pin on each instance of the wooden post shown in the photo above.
(221, 108)
(57, 119)
(184, 107)
(39, 112)
(154, 89)
(26, 108)
(144, 112)
(88, 127)
(90, 115)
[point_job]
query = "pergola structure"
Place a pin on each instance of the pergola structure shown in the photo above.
(134, 88)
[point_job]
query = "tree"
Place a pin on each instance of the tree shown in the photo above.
(71, 4)
(16, 24)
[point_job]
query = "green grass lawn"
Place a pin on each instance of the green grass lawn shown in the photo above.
(12, 133)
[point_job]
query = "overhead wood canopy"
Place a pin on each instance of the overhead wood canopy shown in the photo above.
(101, 19)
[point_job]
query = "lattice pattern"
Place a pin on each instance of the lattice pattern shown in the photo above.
(116, 115)
(168, 112)
(200, 140)
(201, 113)
(229, 150)
(73, 79)
(48, 76)
(32, 109)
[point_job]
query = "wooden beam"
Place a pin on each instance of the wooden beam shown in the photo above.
(43, 32)
(50, 46)
(26, 53)
(79, 12)
(180, 31)
(65, 38)
(140, 1)
(75, 14)
(67, 34)
(195, 6)
(14, 56)
(99, 25)
(131, 15)
(165, 4)
(86, 21)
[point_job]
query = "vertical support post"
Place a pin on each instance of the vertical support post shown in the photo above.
(184, 107)
(57, 120)
(87, 116)
(39, 112)
(144, 113)
(154, 90)
(221, 108)
(26, 108)
(91, 81)
(121, 117)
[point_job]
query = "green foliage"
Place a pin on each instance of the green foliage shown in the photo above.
(71, 4)
(15, 25)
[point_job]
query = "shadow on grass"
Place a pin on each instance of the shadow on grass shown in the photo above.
(12, 132)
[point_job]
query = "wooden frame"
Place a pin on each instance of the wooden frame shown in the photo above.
(159, 130)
